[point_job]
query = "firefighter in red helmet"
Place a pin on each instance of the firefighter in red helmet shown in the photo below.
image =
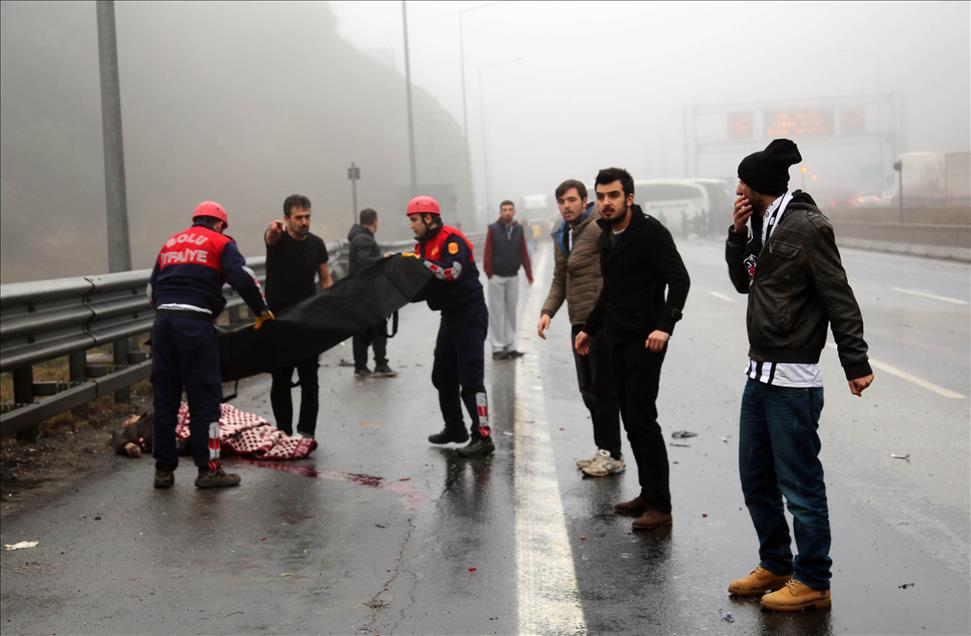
(459, 365)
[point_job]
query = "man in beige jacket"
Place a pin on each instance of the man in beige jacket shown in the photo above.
(577, 279)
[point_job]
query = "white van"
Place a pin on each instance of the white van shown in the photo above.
(681, 204)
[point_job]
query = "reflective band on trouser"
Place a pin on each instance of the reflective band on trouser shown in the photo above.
(482, 408)
(214, 447)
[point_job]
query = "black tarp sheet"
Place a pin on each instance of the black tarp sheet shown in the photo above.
(350, 306)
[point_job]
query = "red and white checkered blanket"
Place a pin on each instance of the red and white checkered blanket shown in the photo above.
(249, 435)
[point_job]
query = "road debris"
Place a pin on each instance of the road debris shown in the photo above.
(20, 545)
(680, 445)
(728, 618)
(904, 457)
(683, 434)
(906, 585)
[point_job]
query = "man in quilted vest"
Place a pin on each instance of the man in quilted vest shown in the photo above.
(578, 280)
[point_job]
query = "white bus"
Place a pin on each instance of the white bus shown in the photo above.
(681, 204)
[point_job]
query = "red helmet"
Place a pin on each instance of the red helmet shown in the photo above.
(423, 204)
(213, 209)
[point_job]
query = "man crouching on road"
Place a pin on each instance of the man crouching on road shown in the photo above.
(459, 368)
(639, 261)
(791, 270)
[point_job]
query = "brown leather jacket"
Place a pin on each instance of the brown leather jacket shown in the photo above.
(576, 277)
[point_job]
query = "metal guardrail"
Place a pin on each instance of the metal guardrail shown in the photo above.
(44, 320)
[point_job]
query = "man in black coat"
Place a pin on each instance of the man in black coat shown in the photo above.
(790, 268)
(364, 251)
(639, 261)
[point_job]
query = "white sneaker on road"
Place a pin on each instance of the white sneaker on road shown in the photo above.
(603, 464)
(583, 463)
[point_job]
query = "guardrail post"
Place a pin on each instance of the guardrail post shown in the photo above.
(121, 360)
(76, 366)
(23, 393)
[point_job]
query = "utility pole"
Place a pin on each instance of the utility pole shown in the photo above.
(119, 250)
(116, 205)
(354, 173)
(411, 121)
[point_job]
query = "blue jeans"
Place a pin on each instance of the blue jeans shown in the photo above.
(778, 454)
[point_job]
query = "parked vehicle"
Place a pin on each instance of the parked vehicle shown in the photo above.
(931, 179)
(681, 204)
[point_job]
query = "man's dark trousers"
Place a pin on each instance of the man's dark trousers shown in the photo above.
(282, 401)
(597, 391)
(778, 454)
(459, 369)
(185, 353)
(638, 372)
(375, 337)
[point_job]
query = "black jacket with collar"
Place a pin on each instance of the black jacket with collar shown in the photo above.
(799, 287)
(636, 271)
(364, 249)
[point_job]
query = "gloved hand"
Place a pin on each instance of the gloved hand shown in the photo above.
(262, 318)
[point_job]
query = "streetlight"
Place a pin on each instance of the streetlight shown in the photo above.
(485, 137)
(465, 112)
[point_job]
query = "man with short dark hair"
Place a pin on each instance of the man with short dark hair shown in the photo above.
(186, 291)
(294, 257)
(363, 250)
(796, 285)
(505, 253)
(639, 261)
(578, 280)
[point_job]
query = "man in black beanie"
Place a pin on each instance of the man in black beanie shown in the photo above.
(791, 270)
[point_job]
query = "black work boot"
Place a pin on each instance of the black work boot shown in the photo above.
(449, 434)
(164, 477)
(216, 479)
(479, 447)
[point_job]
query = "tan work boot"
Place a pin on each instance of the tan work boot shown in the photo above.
(635, 507)
(796, 596)
(760, 581)
(652, 519)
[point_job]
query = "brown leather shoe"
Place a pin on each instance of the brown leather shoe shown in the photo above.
(760, 581)
(652, 519)
(635, 507)
(796, 596)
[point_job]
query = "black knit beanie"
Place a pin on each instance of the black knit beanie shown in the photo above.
(767, 171)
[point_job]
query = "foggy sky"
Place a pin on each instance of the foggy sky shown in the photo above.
(239, 102)
(605, 82)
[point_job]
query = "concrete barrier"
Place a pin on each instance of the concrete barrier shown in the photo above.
(946, 241)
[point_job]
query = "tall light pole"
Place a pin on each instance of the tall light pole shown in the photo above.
(413, 181)
(485, 135)
(465, 112)
(116, 199)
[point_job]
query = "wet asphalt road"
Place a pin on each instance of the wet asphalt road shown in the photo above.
(381, 533)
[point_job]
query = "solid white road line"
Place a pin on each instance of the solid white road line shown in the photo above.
(549, 602)
(945, 299)
(903, 375)
(721, 296)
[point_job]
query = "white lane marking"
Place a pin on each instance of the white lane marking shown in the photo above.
(903, 375)
(721, 296)
(549, 601)
(914, 292)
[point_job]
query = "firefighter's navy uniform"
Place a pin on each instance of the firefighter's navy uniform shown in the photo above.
(186, 290)
(459, 366)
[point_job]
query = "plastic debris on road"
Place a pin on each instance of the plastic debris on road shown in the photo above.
(683, 434)
(20, 545)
